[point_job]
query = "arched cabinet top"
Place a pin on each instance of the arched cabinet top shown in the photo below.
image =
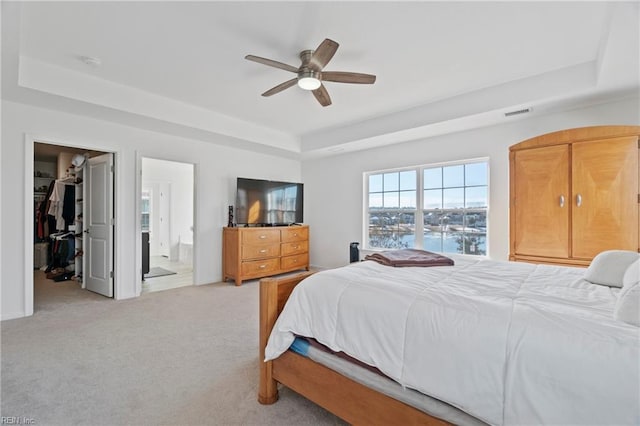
(579, 134)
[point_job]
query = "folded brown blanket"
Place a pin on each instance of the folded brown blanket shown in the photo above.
(409, 257)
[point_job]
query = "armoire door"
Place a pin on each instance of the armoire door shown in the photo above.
(605, 196)
(542, 201)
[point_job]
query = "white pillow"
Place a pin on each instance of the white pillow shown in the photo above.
(608, 267)
(628, 305)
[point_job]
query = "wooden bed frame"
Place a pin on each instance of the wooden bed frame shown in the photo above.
(347, 399)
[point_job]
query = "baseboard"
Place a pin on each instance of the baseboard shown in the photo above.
(12, 315)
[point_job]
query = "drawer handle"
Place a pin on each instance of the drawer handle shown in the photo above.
(263, 251)
(262, 266)
(262, 237)
(295, 235)
(295, 260)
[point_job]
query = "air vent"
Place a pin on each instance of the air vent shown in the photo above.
(518, 112)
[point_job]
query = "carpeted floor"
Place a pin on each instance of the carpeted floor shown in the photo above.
(186, 356)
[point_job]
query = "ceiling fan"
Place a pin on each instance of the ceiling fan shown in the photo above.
(311, 74)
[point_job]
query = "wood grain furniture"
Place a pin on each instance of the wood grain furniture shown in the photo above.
(573, 194)
(257, 252)
(347, 399)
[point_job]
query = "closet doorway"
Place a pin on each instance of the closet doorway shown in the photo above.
(167, 200)
(73, 225)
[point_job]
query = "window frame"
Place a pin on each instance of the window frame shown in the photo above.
(419, 202)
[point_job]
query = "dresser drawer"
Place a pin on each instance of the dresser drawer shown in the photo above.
(293, 262)
(294, 248)
(295, 233)
(256, 268)
(260, 236)
(260, 251)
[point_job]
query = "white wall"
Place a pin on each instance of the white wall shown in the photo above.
(180, 178)
(216, 170)
(333, 185)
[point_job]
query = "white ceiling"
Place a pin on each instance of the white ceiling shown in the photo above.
(440, 66)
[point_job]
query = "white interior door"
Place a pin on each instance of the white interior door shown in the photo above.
(99, 225)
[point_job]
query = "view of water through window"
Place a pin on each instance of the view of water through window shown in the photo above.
(454, 202)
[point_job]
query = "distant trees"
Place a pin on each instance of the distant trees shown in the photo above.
(472, 244)
(390, 240)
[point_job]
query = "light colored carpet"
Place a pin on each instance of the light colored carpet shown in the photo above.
(186, 356)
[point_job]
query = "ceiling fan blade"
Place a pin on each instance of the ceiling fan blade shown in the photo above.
(280, 87)
(323, 54)
(322, 95)
(271, 63)
(348, 77)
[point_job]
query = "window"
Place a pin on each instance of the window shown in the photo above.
(453, 205)
(146, 210)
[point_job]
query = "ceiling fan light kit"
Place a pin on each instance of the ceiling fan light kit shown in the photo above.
(310, 74)
(308, 80)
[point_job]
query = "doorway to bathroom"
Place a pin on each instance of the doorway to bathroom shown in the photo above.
(167, 199)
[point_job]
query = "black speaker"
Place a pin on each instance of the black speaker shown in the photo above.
(354, 252)
(230, 222)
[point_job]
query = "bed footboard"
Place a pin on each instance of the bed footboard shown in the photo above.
(274, 293)
(347, 399)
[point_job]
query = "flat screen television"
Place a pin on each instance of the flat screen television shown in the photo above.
(268, 203)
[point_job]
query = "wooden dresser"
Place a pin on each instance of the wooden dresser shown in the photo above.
(250, 253)
(574, 193)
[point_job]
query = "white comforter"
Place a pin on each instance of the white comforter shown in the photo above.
(509, 343)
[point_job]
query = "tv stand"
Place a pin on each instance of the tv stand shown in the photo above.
(256, 252)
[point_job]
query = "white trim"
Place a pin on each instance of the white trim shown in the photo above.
(28, 225)
(138, 224)
(29, 141)
(427, 165)
(196, 205)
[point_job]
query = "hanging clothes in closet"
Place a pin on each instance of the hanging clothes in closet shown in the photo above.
(61, 250)
(45, 223)
(61, 205)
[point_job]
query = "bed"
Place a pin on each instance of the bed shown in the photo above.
(499, 342)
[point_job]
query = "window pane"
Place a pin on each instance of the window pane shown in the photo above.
(453, 198)
(408, 199)
(433, 199)
(476, 221)
(145, 221)
(408, 180)
(435, 226)
(475, 174)
(391, 181)
(474, 238)
(375, 200)
(433, 178)
(392, 230)
(474, 244)
(375, 183)
(476, 197)
(453, 176)
(391, 199)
